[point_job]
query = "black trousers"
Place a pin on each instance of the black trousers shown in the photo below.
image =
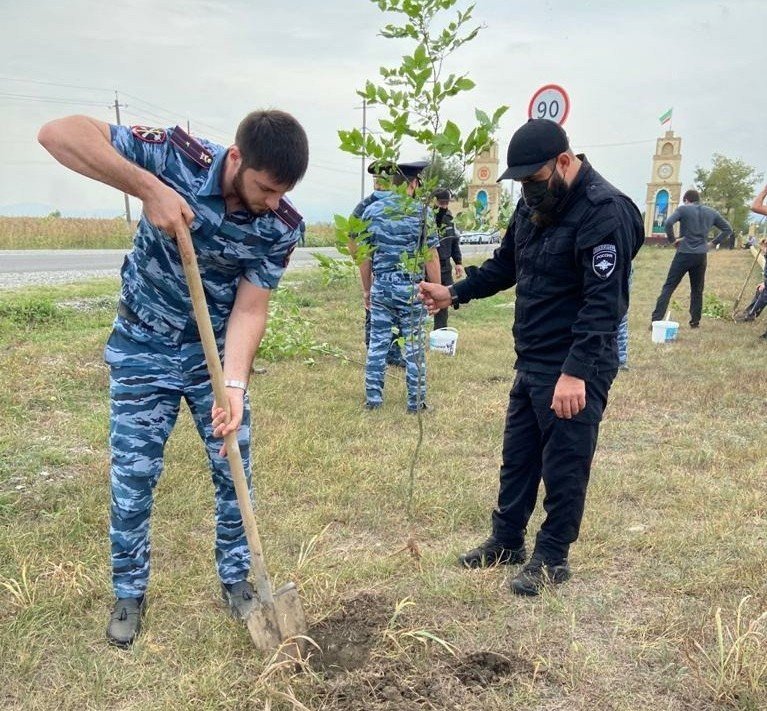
(695, 266)
(440, 318)
(537, 445)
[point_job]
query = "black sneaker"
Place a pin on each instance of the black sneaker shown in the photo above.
(694, 324)
(373, 405)
(536, 575)
(125, 621)
(240, 597)
(414, 410)
(492, 552)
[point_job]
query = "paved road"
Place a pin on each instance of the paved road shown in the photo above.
(27, 267)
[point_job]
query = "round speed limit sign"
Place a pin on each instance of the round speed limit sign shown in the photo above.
(550, 102)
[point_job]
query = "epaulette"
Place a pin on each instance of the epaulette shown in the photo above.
(288, 214)
(191, 148)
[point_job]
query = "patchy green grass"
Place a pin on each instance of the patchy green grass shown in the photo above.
(663, 611)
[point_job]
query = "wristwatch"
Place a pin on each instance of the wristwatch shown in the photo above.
(453, 296)
(236, 384)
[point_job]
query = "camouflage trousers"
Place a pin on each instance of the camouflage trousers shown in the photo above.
(394, 302)
(149, 376)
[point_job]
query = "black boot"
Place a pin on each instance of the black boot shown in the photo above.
(125, 621)
(537, 574)
(240, 597)
(492, 552)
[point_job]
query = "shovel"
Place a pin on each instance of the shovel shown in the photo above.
(277, 620)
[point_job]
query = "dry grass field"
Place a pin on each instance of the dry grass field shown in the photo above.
(665, 610)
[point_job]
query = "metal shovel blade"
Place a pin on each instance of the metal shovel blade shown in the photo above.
(270, 626)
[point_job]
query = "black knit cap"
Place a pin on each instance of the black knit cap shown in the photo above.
(531, 146)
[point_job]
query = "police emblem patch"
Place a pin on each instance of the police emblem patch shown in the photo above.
(603, 260)
(149, 135)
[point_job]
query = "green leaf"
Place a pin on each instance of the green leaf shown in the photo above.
(452, 132)
(482, 117)
(500, 111)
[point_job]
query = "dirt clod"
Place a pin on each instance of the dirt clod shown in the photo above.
(487, 668)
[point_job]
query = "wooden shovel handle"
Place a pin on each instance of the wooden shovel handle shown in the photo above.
(204, 326)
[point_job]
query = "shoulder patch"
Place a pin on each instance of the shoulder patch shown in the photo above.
(148, 134)
(191, 148)
(603, 260)
(288, 214)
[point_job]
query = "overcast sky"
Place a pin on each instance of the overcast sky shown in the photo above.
(211, 61)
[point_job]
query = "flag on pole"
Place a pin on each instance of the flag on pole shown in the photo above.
(665, 118)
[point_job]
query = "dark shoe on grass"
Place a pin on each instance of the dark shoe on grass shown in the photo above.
(240, 597)
(536, 575)
(125, 621)
(492, 552)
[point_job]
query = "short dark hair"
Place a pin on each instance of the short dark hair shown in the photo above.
(691, 196)
(273, 141)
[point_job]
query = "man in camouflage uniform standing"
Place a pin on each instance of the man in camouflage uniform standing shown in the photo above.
(244, 231)
(394, 355)
(396, 226)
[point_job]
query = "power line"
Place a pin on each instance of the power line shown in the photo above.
(172, 113)
(53, 83)
(51, 99)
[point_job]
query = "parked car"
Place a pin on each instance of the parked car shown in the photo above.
(492, 237)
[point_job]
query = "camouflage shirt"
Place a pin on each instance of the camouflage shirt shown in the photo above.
(229, 246)
(395, 228)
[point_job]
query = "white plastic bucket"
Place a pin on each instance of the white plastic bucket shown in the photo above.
(664, 331)
(444, 340)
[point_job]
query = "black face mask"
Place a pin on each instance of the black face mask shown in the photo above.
(542, 197)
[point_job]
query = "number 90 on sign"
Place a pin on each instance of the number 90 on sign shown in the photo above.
(550, 102)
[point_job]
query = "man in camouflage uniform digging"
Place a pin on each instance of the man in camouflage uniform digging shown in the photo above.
(244, 231)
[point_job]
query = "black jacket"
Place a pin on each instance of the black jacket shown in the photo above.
(571, 278)
(449, 242)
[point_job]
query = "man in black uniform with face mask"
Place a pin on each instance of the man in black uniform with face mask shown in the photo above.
(448, 248)
(568, 250)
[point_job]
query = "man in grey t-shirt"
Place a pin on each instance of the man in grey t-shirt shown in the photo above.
(695, 222)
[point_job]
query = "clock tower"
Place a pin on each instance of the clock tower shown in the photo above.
(664, 190)
(483, 188)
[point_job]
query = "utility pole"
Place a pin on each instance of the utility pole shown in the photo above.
(364, 133)
(188, 127)
(125, 195)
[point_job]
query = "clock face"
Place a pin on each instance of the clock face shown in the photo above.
(483, 173)
(665, 170)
